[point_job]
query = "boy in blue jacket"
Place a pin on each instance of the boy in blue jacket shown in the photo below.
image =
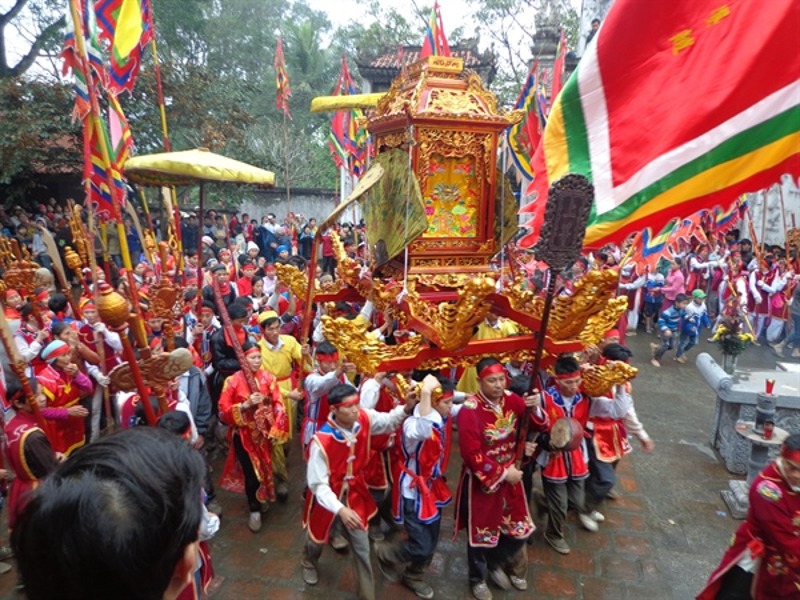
(695, 317)
(668, 328)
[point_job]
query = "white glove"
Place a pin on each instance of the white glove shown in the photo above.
(100, 327)
(757, 298)
(762, 285)
(103, 380)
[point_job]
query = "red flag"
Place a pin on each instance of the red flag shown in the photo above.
(284, 92)
(655, 134)
(435, 43)
(558, 68)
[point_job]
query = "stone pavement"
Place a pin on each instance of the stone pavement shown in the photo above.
(661, 539)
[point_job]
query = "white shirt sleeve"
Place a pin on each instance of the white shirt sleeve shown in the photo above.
(418, 428)
(370, 392)
(386, 422)
(318, 479)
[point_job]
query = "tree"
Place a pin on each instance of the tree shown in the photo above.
(37, 134)
(512, 26)
(34, 24)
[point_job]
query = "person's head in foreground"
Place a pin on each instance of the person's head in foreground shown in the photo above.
(789, 462)
(119, 519)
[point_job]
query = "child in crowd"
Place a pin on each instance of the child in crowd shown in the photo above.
(652, 299)
(695, 317)
(668, 326)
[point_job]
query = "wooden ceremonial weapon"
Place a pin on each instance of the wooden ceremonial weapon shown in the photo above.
(560, 242)
(227, 325)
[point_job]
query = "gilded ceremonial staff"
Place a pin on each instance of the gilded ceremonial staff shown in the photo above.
(559, 246)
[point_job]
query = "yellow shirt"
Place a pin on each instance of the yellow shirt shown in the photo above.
(503, 328)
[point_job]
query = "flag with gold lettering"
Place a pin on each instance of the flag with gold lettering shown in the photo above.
(675, 107)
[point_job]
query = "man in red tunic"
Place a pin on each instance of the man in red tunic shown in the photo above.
(492, 504)
(337, 459)
(764, 559)
(256, 418)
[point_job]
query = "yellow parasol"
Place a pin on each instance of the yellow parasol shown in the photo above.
(192, 166)
(330, 103)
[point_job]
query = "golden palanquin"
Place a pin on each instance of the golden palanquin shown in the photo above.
(452, 124)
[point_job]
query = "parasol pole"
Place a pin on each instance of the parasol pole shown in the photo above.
(201, 219)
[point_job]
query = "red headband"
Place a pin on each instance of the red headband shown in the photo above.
(789, 454)
(43, 295)
(252, 350)
(207, 310)
(493, 369)
(328, 357)
(352, 402)
(568, 375)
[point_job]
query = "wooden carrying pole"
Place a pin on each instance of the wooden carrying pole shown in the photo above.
(560, 242)
(17, 365)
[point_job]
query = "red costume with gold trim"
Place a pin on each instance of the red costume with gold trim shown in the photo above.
(256, 432)
(770, 533)
(347, 463)
(487, 437)
(63, 391)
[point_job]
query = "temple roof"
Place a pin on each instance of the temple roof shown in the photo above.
(381, 70)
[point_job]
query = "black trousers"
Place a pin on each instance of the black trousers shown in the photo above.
(251, 482)
(482, 560)
(736, 585)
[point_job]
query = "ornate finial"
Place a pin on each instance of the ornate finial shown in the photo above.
(112, 307)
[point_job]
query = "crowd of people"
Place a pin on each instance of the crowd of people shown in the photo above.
(375, 446)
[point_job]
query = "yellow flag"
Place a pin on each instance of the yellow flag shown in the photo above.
(129, 28)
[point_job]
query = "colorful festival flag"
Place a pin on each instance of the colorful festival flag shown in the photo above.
(688, 230)
(558, 68)
(523, 137)
(647, 119)
(119, 132)
(647, 249)
(347, 139)
(725, 220)
(435, 43)
(284, 92)
(126, 25)
(72, 62)
(97, 170)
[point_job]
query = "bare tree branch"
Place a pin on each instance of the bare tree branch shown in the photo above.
(28, 59)
(6, 18)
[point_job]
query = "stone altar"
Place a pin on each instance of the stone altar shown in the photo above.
(736, 401)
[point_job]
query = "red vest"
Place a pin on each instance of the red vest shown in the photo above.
(377, 475)
(346, 465)
(431, 457)
(572, 464)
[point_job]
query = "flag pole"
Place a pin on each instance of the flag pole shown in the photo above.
(286, 163)
(94, 115)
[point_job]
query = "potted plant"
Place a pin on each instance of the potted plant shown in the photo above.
(732, 340)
